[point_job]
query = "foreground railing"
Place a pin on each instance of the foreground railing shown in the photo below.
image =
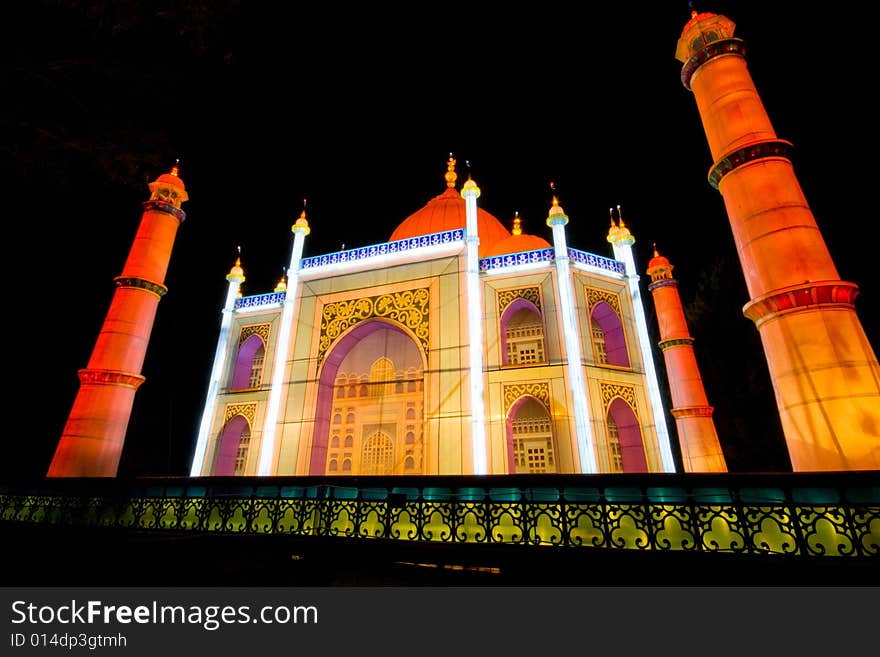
(814, 515)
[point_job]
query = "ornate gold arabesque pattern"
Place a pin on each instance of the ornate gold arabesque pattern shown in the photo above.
(506, 297)
(408, 308)
(539, 390)
(254, 329)
(611, 390)
(595, 295)
(248, 410)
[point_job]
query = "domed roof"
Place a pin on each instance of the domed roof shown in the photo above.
(447, 212)
(518, 242)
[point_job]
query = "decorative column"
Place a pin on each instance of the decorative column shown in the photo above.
(824, 372)
(471, 192)
(621, 241)
(700, 449)
(235, 278)
(557, 220)
(267, 445)
(92, 440)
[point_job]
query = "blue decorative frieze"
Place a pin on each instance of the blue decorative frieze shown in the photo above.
(594, 260)
(257, 300)
(514, 259)
(398, 246)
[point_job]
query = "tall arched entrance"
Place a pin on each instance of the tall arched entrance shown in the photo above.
(371, 401)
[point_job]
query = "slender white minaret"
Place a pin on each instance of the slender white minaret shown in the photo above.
(470, 192)
(557, 220)
(622, 240)
(235, 278)
(267, 445)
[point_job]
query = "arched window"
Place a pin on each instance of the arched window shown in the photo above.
(615, 456)
(377, 456)
(522, 334)
(409, 463)
(352, 391)
(334, 441)
(337, 419)
(340, 391)
(333, 466)
(410, 438)
(346, 465)
(530, 438)
(410, 414)
(232, 447)
(241, 453)
(609, 340)
(364, 390)
(628, 434)
(382, 358)
(248, 369)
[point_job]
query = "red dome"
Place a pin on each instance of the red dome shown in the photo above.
(518, 244)
(447, 212)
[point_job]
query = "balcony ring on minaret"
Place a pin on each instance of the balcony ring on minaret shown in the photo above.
(163, 206)
(805, 296)
(711, 50)
(754, 151)
(141, 283)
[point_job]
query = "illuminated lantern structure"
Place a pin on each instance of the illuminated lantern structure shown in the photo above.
(456, 347)
(92, 440)
(700, 448)
(825, 375)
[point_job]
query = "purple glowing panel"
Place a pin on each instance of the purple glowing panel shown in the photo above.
(632, 449)
(227, 449)
(615, 340)
(244, 362)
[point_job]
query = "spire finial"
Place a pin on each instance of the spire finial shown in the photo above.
(620, 216)
(451, 176)
(175, 170)
(693, 9)
(655, 250)
(517, 224)
(302, 223)
(611, 214)
(236, 273)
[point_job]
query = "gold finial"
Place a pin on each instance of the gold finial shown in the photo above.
(175, 170)
(656, 254)
(237, 272)
(302, 223)
(612, 232)
(556, 210)
(451, 176)
(517, 224)
(620, 217)
(281, 286)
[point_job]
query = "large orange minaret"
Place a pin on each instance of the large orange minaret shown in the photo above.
(91, 443)
(700, 449)
(824, 371)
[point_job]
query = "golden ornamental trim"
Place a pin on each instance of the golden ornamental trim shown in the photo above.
(254, 329)
(540, 390)
(248, 410)
(408, 308)
(595, 295)
(506, 297)
(609, 391)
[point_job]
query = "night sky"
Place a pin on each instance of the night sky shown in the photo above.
(357, 110)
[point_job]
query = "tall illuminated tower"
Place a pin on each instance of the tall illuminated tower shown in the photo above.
(700, 449)
(92, 440)
(825, 375)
